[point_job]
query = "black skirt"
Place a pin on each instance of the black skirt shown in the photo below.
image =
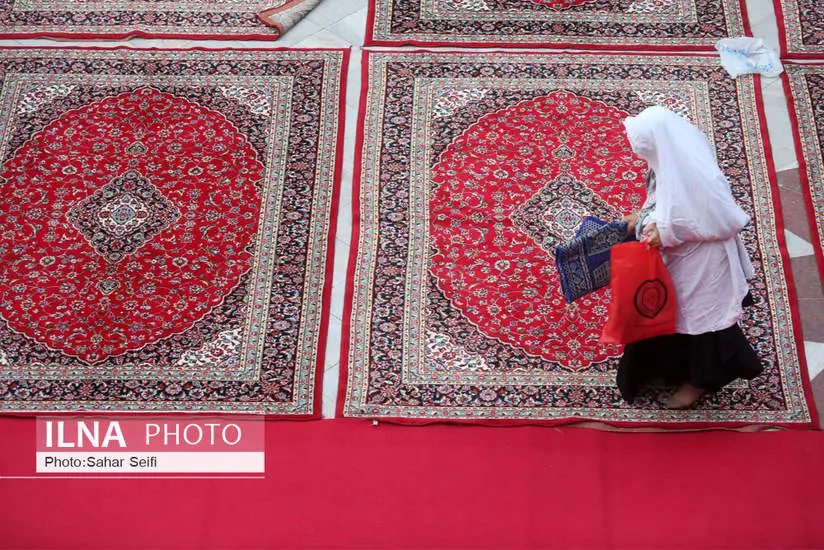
(707, 361)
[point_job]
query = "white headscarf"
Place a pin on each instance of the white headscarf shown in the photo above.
(693, 201)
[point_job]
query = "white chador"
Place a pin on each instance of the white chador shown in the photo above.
(697, 219)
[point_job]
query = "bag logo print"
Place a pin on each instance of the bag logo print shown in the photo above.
(650, 298)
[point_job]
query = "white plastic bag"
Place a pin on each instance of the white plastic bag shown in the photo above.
(748, 55)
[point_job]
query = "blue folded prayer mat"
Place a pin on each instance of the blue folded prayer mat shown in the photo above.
(583, 262)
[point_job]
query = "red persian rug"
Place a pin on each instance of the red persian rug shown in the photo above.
(801, 27)
(604, 24)
(187, 19)
(472, 168)
(805, 88)
(165, 220)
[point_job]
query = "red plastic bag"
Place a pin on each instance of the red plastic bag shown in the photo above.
(643, 297)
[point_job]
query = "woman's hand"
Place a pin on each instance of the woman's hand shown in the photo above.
(632, 221)
(651, 236)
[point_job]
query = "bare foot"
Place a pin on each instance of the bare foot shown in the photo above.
(684, 397)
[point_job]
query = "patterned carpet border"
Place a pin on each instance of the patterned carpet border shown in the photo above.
(169, 19)
(674, 25)
(392, 370)
(800, 28)
(804, 86)
(237, 241)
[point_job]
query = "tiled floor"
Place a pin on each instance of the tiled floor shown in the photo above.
(342, 23)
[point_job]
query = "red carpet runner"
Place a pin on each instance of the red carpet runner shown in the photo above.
(676, 25)
(164, 222)
(346, 484)
(473, 167)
